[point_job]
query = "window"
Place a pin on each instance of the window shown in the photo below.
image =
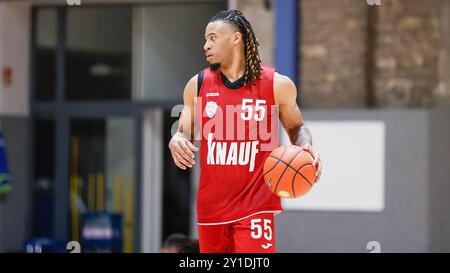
(98, 53)
(46, 41)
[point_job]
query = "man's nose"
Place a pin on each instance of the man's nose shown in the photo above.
(206, 47)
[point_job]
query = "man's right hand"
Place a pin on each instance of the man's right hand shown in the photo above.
(182, 151)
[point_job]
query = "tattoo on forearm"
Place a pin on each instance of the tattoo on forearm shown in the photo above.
(300, 136)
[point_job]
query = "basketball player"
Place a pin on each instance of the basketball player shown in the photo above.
(235, 208)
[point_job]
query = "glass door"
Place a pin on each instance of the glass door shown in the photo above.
(102, 183)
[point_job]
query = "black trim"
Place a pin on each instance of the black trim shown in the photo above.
(200, 77)
(232, 85)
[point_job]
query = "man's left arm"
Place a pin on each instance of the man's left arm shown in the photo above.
(286, 98)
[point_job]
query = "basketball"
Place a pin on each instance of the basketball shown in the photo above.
(288, 171)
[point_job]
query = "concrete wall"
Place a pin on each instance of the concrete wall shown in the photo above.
(415, 218)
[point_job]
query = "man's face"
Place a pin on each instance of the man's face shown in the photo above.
(220, 39)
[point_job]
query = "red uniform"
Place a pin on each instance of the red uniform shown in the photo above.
(239, 129)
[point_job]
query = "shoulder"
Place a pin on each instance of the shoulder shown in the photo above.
(191, 83)
(190, 90)
(284, 88)
(282, 81)
(193, 86)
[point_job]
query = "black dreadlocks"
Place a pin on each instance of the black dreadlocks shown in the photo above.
(252, 59)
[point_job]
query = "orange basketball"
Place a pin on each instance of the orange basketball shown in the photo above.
(288, 171)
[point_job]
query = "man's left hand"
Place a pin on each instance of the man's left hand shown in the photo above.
(317, 160)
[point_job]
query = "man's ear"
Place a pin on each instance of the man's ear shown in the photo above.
(237, 38)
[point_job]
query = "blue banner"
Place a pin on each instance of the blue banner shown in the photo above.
(5, 182)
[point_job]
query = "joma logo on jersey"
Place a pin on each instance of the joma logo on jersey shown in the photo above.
(232, 153)
(212, 94)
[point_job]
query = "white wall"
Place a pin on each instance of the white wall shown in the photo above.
(14, 53)
(353, 156)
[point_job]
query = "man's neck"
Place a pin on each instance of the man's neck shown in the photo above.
(235, 70)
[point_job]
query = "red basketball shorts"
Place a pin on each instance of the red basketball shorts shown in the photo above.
(254, 234)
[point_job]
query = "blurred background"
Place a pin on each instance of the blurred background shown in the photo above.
(87, 96)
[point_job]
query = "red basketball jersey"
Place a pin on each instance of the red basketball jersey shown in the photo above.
(239, 129)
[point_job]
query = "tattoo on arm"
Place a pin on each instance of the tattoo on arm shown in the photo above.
(300, 136)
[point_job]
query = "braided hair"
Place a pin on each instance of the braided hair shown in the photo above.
(252, 59)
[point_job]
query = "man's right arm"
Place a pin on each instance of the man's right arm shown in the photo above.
(180, 145)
